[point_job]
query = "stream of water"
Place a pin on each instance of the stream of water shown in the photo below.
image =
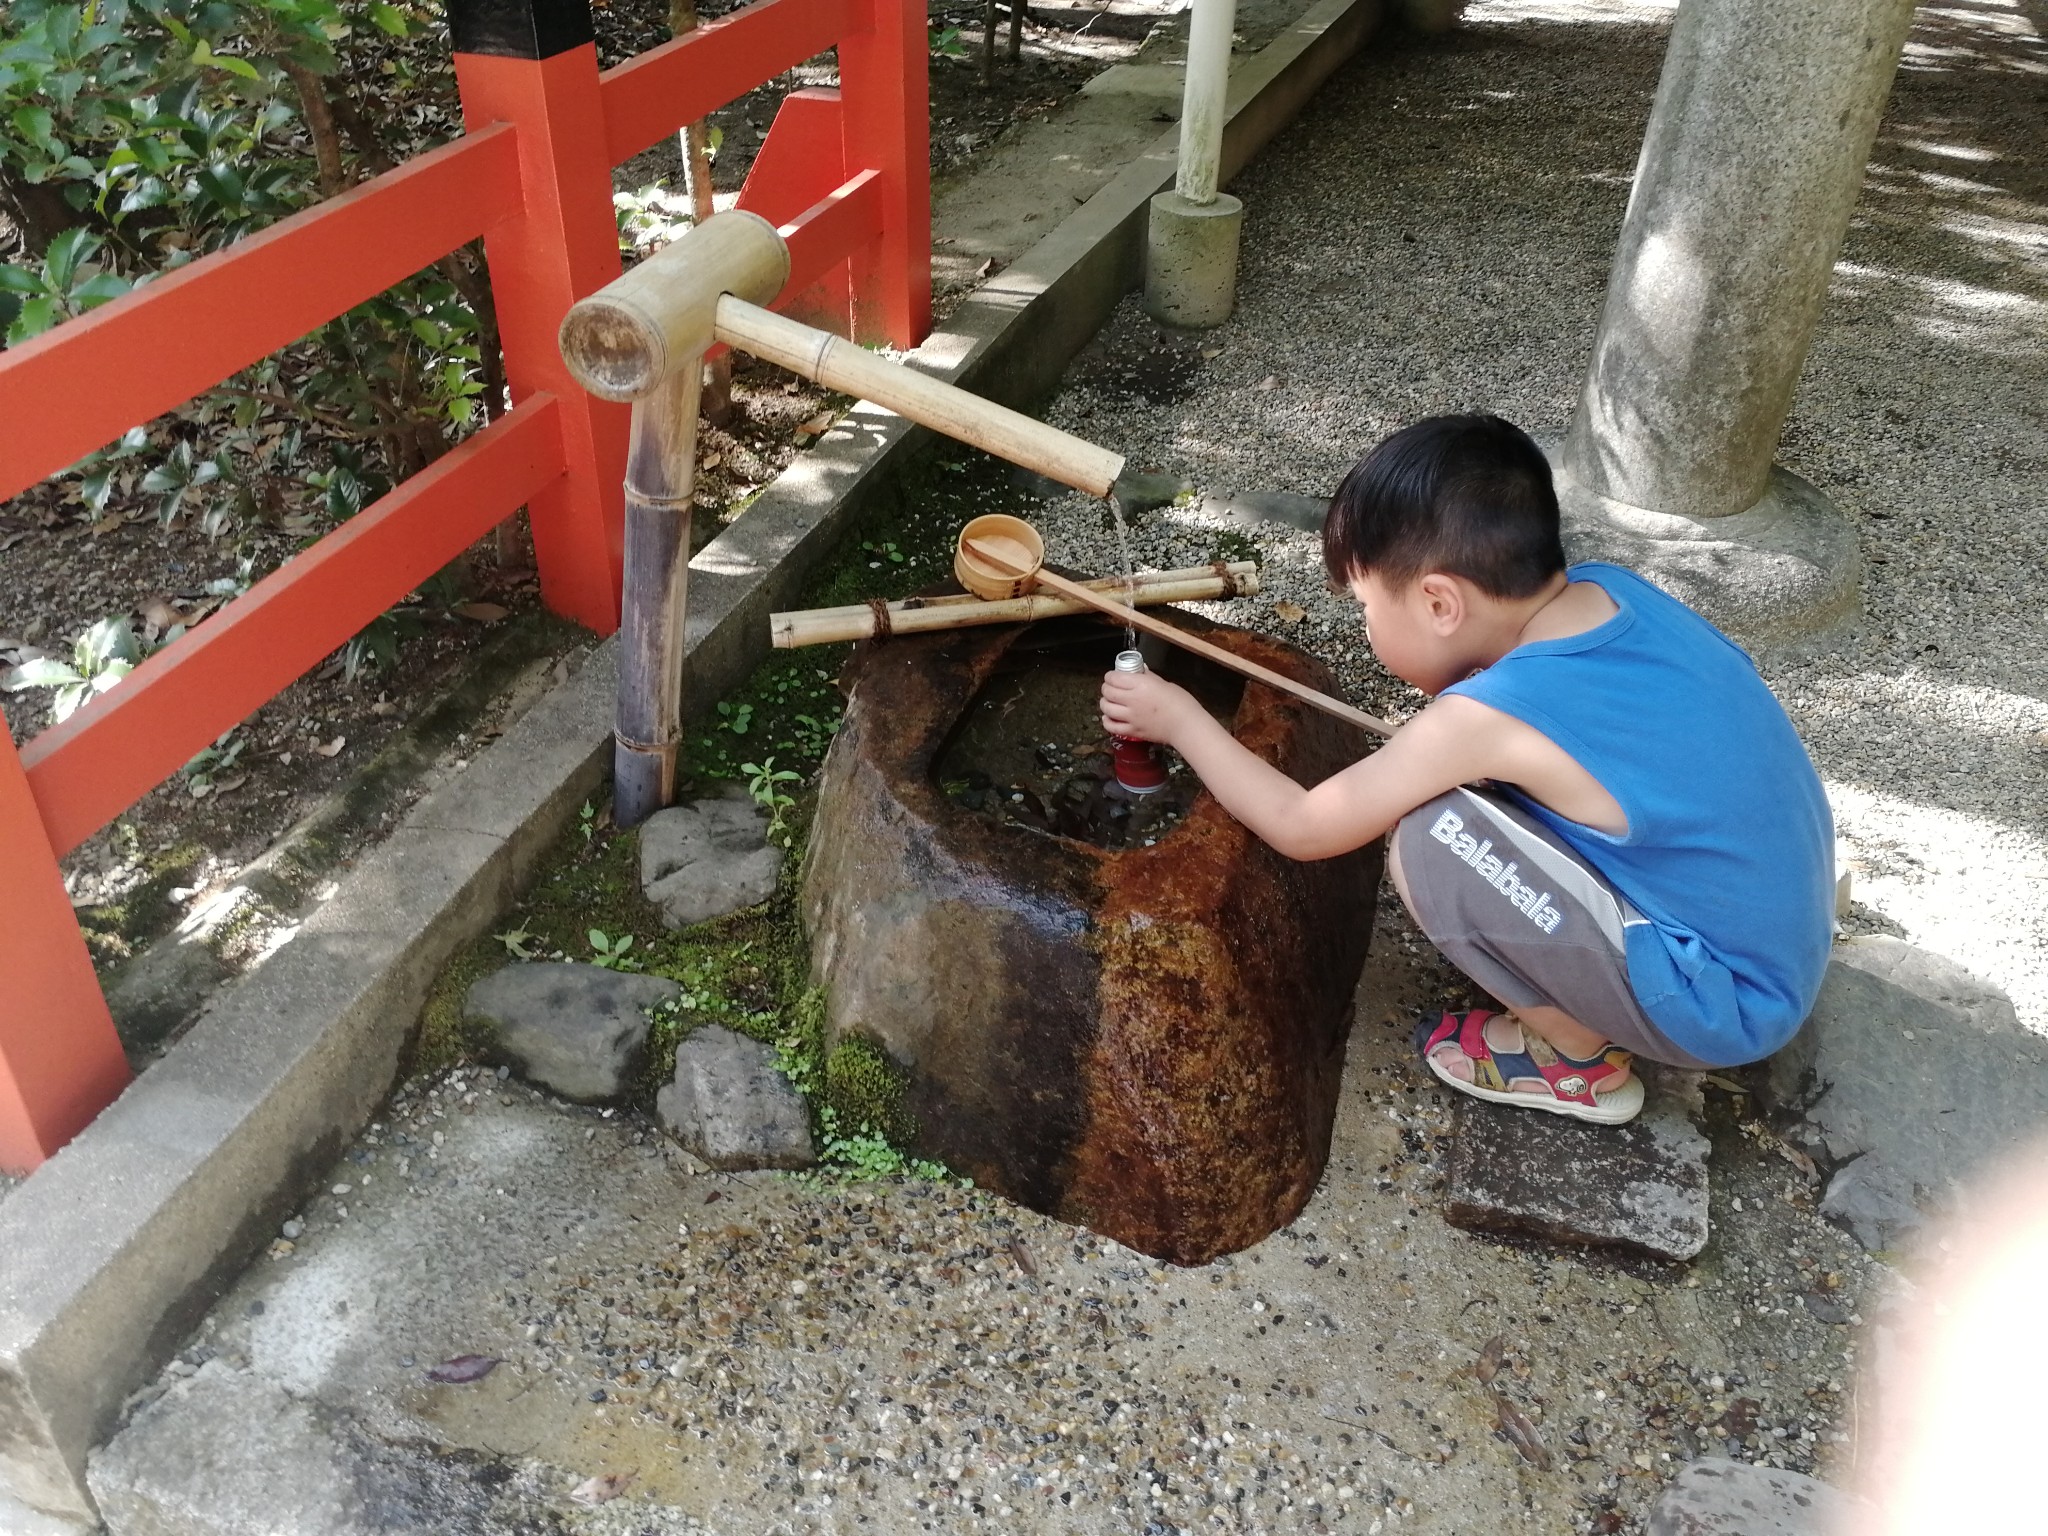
(1123, 544)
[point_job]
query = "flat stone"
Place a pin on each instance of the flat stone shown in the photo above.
(230, 1453)
(1731, 1498)
(1139, 492)
(577, 1030)
(1910, 1077)
(1289, 508)
(706, 860)
(731, 1106)
(1641, 1186)
(225, 1451)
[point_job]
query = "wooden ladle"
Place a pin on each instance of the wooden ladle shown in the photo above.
(1012, 556)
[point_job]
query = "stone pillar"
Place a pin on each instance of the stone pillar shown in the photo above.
(1751, 166)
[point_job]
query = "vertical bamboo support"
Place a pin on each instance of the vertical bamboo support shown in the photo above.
(661, 473)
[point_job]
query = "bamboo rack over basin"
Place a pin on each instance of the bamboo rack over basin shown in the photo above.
(921, 615)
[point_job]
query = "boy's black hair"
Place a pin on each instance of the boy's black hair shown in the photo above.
(1467, 495)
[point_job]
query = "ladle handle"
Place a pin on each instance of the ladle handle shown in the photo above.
(1215, 653)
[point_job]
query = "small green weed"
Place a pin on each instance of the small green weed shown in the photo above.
(610, 953)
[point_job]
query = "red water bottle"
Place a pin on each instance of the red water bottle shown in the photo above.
(1140, 765)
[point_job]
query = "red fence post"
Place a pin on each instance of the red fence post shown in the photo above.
(884, 88)
(60, 1060)
(533, 63)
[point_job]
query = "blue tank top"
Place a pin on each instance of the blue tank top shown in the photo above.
(1730, 845)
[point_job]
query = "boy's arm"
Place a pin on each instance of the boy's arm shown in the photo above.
(1444, 746)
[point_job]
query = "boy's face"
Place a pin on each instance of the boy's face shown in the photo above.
(1415, 629)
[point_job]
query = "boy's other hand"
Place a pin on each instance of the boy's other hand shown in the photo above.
(1145, 706)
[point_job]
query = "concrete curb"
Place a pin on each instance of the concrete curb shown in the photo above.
(116, 1246)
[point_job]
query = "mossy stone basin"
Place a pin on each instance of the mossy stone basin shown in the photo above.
(1145, 1040)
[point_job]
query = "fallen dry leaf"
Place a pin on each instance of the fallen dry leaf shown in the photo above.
(1488, 1365)
(1293, 613)
(483, 613)
(1270, 381)
(602, 1490)
(988, 268)
(229, 786)
(818, 425)
(1521, 1433)
(332, 748)
(109, 523)
(463, 1369)
(1023, 1256)
(1798, 1159)
(383, 709)
(711, 461)
(160, 613)
(1211, 352)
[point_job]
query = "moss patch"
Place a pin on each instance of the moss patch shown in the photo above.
(866, 1090)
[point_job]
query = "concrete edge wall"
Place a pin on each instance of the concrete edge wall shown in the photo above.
(114, 1249)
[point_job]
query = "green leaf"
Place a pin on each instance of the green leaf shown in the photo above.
(43, 672)
(35, 316)
(17, 280)
(34, 124)
(98, 289)
(388, 18)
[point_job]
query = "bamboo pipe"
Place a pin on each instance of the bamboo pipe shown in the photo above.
(993, 551)
(839, 364)
(922, 615)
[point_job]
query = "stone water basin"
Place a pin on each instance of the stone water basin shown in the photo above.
(1131, 1016)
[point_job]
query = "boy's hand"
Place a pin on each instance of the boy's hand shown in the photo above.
(1146, 706)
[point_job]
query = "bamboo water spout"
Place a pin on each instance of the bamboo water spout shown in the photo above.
(642, 338)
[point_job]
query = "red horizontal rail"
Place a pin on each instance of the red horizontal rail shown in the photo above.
(655, 93)
(81, 385)
(838, 224)
(86, 771)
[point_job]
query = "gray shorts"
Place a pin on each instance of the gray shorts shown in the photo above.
(1522, 914)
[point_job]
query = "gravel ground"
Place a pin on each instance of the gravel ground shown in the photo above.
(1467, 196)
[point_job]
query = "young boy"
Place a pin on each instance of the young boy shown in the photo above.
(1604, 818)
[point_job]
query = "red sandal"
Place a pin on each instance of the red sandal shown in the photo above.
(1568, 1087)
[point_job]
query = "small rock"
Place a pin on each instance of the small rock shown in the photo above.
(1642, 1185)
(293, 1228)
(1730, 1498)
(1874, 1204)
(577, 1029)
(730, 1106)
(1139, 492)
(705, 860)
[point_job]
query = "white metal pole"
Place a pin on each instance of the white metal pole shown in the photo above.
(1202, 99)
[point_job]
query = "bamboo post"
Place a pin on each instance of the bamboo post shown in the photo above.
(661, 473)
(642, 338)
(922, 615)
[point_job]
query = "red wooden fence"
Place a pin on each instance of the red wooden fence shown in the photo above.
(845, 174)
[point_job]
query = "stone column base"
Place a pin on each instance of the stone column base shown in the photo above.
(1788, 568)
(1191, 259)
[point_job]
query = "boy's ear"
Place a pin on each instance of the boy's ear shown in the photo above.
(1444, 601)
